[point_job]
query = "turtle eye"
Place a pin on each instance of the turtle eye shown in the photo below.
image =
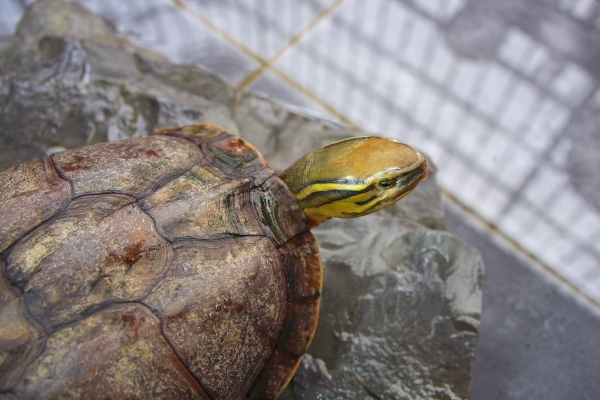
(385, 183)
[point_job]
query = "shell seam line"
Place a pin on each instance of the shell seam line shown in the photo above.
(222, 238)
(304, 231)
(50, 160)
(43, 337)
(162, 332)
(61, 174)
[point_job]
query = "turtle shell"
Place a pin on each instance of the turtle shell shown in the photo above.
(176, 265)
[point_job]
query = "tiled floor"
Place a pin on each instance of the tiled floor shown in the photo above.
(504, 96)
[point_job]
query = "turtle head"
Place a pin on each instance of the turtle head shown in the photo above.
(354, 177)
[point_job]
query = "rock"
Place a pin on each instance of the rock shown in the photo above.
(402, 297)
(76, 82)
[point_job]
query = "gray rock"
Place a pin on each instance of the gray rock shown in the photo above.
(402, 297)
(67, 80)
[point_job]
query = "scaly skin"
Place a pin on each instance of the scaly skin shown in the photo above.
(354, 177)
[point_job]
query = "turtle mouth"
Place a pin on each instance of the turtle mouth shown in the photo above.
(412, 179)
(408, 184)
(404, 186)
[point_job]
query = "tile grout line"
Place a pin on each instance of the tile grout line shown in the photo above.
(514, 245)
(288, 45)
(181, 4)
(265, 64)
(479, 219)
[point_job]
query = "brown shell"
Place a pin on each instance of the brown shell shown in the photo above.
(171, 266)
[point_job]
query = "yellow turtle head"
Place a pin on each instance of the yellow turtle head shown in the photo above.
(354, 177)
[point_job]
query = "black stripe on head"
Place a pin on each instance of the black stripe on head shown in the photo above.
(318, 199)
(362, 203)
(362, 212)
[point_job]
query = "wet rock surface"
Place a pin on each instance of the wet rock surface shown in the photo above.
(402, 297)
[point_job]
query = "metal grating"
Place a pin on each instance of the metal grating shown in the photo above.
(502, 95)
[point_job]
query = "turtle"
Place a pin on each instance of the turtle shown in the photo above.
(176, 265)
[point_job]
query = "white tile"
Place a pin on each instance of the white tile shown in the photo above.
(451, 116)
(437, 153)
(428, 103)
(577, 270)
(329, 81)
(583, 9)
(466, 78)
(417, 137)
(493, 202)
(519, 107)
(263, 27)
(118, 10)
(515, 164)
(492, 89)
(391, 36)
(545, 123)
(520, 221)
(539, 228)
(539, 238)
(515, 47)
(489, 154)
(385, 69)
(467, 185)
(554, 250)
(422, 31)
(354, 107)
(586, 227)
(452, 175)
(363, 61)
(561, 152)
(397, 128)
(557, 117)
(527, 55)
(440, 9)
(371, 17)
(371, 124)
(442, 60)
(545, 186)
(537, 62)
(573, 84)
(568, 203)
(406, 84)
(471, 135)
(378, 120)
(537, 138)
(296, 67)
(587, 265)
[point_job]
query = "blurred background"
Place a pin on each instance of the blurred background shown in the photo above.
(503, 96)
